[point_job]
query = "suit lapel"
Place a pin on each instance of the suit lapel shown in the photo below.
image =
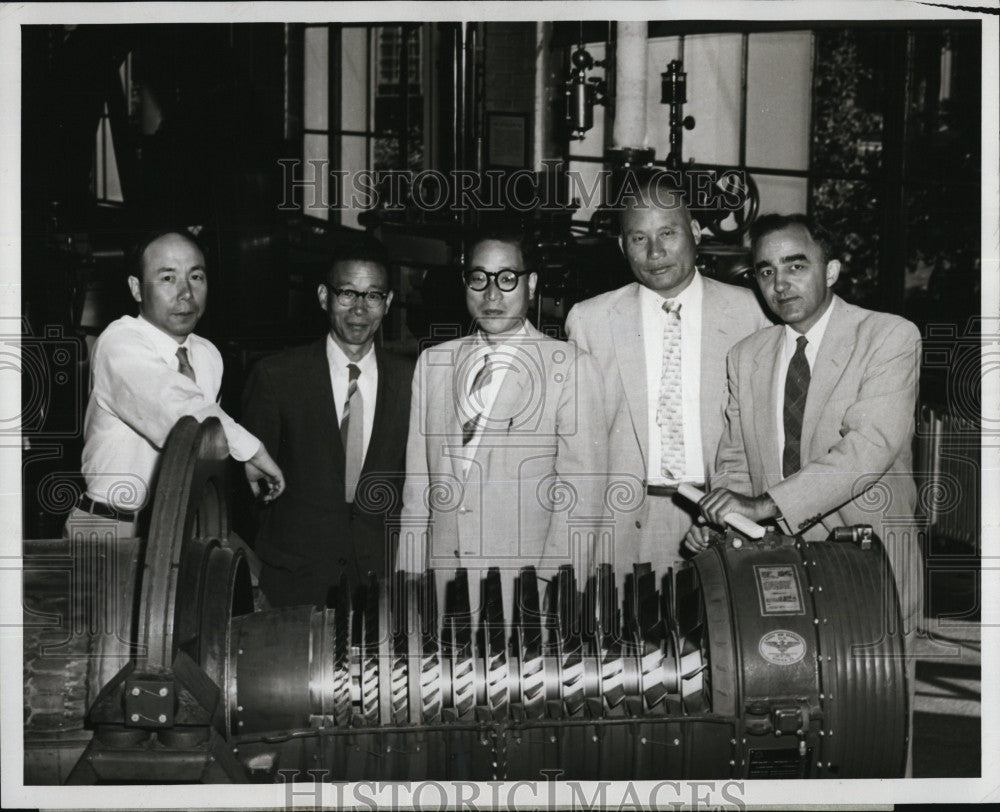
(763, 385)
(626, 335)
(452, 417)
(326, 411)
(717, 323)
(834, 350)
(385, 393)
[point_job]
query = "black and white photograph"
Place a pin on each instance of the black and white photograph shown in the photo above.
(499, 405)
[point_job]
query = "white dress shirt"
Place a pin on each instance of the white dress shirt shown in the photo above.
(340, 378)
(500, 353)
(654, 321)
(813, 338)
(137, 395)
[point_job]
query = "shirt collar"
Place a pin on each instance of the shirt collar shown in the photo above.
(814, 335)
(165, 345)
(483, 347)
(338, 358)
(689, 299)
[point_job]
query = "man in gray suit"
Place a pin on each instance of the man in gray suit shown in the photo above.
(820, 419)
(661, 345)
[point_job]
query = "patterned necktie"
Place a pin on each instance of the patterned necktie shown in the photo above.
(483, 378)
(796, 389)
(352, 433)
(670, 408)
(183, 366)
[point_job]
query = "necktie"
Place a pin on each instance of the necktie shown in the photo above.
(796, 389)
(670, 408)
(352, 427)
(481, 381)
(183, 366)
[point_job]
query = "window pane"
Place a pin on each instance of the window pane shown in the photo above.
(779, 76)
(315, 196)
(317, 72)
(353, 158)
(353, 78)
(712, 63)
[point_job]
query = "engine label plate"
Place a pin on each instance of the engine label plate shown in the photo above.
(778, 590)
(782, 647)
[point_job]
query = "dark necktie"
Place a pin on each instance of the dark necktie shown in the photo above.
(481, 381)
(796, 389)
(183, 365)
(352, 433)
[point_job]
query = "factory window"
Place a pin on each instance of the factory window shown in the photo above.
(105, 181)
(364, 109)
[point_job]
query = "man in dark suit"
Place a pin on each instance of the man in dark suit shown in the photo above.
(336, 414)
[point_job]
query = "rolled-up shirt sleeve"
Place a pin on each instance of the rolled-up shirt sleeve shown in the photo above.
(133, 382)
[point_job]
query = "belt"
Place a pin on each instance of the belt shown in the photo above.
(663, 490)
(87, 504)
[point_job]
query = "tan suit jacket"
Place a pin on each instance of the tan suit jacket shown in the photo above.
(533, 492)
(609, 327)
(857, 433)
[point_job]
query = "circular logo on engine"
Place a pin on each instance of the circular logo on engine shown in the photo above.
(782, 647)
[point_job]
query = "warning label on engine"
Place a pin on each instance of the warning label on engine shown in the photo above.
(779, 590)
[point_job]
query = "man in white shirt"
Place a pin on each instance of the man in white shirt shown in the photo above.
(507, 454)
(661, 344)
(335, 414)
(146, 373)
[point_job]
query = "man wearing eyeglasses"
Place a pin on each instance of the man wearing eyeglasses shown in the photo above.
(506, 456)
(336, 413)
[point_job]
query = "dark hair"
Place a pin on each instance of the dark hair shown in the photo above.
(505, 231)
(135, 253)
(638, 184)
(368, 249)
(770, 223)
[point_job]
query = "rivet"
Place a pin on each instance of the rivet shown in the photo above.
(642, 740)
(732, 763)
(239, 651)
(594, 737)
(161, 718)
(135, 692)
(676, 742)
(239, 723)
(388, 748)
(553, 739)
(135, 717)
(163, 691)
(239, 708)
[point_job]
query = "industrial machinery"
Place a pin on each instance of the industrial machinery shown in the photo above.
(758, 659)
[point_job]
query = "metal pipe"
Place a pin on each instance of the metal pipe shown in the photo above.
(630, 85)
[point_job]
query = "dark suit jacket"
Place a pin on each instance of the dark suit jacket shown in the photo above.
(310, 535)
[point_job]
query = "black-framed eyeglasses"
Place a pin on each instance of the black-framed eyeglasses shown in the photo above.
(347, 297)
(505, 280)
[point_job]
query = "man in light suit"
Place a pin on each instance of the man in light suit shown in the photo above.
(824, 440)
(335, 412)
(506, 457)
(664, 372)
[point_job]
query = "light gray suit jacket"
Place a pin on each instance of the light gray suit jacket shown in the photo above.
(533, 493)
(857, 433)
(609, 327)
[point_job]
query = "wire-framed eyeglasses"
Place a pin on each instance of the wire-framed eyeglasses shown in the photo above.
(505, 280)
(347, 297)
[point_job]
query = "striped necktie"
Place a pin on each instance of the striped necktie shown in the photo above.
(352, 433)
(796, 390)
(183, 365)
(670, 408)
(482, 380)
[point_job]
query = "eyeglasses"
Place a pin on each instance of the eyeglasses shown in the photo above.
(504, 280)
(347, 297)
